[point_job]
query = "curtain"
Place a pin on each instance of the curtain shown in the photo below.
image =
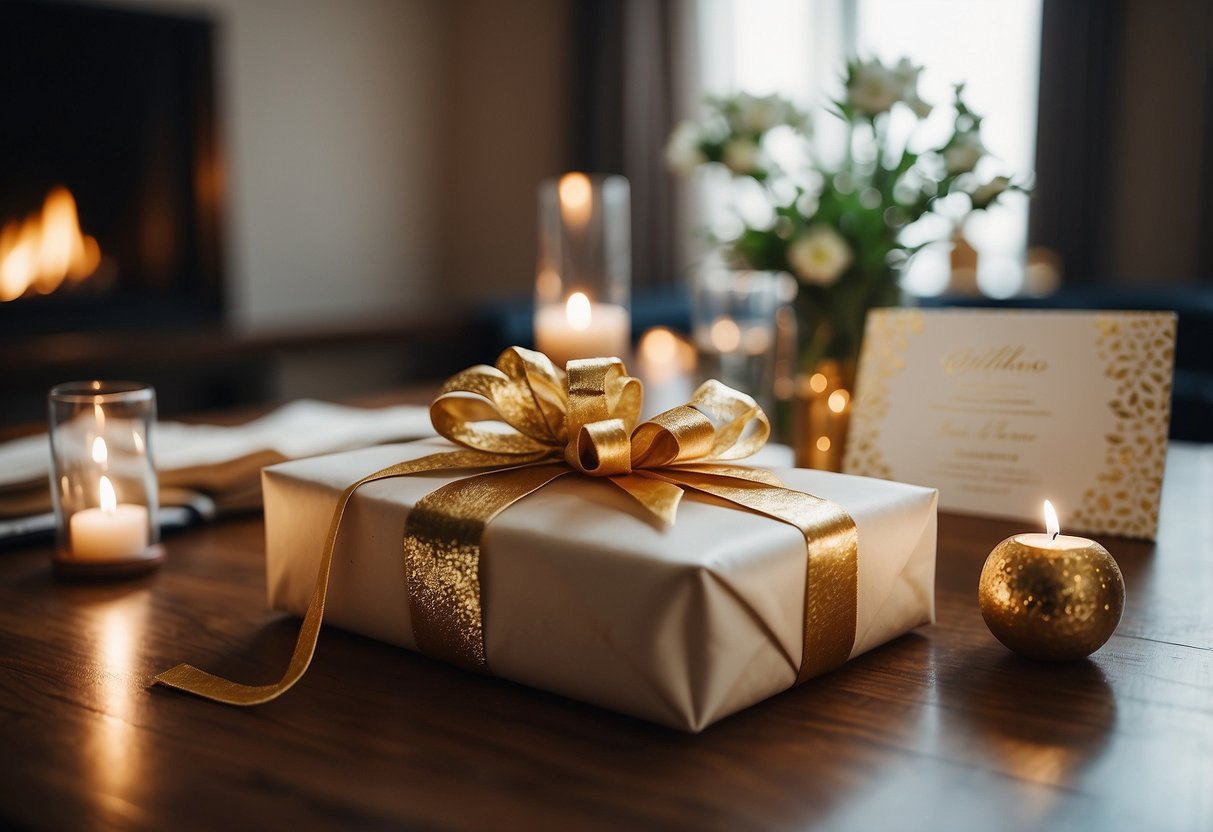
(622, 112)
(1079, 52)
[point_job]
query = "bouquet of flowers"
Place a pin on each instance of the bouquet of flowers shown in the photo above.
(839, 228)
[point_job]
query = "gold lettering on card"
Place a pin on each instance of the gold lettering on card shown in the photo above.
(998, 430)
(1010, 358)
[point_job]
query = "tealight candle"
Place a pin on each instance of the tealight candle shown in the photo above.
(582, 329)
(103, 480)
(111, 532)
(583, 277)
(665, 362)
(1051, 596)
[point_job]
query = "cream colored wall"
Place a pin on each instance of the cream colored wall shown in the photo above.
(383, 155)
(331, 130)
(332, 157)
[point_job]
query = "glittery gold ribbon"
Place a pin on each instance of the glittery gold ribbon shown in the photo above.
(531, 424)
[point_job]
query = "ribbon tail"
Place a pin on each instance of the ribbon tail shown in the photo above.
(190, 679)
(831, 569)
(658, 496)
(739, 471)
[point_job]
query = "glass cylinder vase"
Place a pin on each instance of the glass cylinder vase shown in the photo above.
(733, 327)
(103, 479)
(584, 276)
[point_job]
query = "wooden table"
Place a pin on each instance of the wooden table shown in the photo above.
(942, 729)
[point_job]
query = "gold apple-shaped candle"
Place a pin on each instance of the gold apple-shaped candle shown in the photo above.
(1051, 596)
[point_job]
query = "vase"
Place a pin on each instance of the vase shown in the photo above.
(831, 322)
(734, 327)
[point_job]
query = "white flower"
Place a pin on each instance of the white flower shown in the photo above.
(682, 152)
(820, 256)
(987, 193)
(742, 155)
(757, 115)
(873, 89)
(907, 78)
(964, 153)
(921, 108)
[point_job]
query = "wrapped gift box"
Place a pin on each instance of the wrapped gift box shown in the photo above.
(584, 596)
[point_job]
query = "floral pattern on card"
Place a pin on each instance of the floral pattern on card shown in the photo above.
(1138, 351)
(1002, 409)
(883, 357)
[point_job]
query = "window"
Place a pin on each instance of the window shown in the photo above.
(797, 48)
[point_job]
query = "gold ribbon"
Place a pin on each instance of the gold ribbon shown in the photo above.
(531, 424)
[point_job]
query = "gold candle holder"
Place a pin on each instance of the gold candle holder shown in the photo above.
(1050, 596)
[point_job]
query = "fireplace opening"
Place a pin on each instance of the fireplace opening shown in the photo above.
(110, 171)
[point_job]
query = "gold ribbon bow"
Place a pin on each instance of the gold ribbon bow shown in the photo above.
(531, 424)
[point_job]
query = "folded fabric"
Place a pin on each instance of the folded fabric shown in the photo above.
(221, 464)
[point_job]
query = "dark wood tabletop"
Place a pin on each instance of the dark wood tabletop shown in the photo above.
(940, 729)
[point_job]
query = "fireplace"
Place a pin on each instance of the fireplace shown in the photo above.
(110, 171)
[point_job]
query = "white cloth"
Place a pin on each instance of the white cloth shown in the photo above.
(301, 428)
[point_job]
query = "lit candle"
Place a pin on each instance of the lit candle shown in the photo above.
(1053, 539)
(663, 356)
(665, 362)
(1051, 596)
(112, 532)
(582, 329)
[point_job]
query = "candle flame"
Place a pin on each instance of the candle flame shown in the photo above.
(577, 310)
(100, 452)
(109, 500)
(1052, 526)
(575, 192)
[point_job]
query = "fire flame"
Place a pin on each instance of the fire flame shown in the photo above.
(42, 251)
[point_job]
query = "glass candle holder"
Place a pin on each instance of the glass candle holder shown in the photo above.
(584, 278)
(733, 327)
(103, 480)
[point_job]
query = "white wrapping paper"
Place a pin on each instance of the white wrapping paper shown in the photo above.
(584, 596)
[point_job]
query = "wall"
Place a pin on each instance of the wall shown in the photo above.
(384, 154)
(329, 118)
(332, 156)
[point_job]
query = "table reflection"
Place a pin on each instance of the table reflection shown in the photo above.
(111, 751)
